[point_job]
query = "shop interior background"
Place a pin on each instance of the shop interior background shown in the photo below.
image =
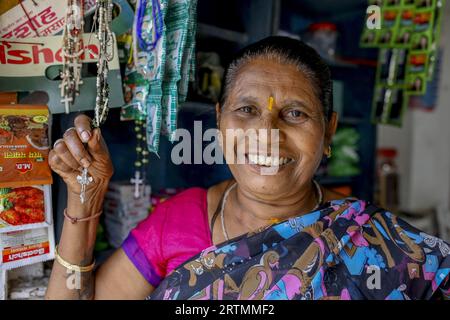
(404, 168)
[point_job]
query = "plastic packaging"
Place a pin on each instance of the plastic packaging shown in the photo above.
(24, 146)
(3, 285)
(345, 159)
(25, 208)
(20, 248)
(387, 180)
(323, 37)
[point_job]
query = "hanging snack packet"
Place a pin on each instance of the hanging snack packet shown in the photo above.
(24, 146)
(406, 28)
(3, 285)
(20, 248)
(417, 72)
(388, 33)
(188, 64)
(25, 208)
(177, 29)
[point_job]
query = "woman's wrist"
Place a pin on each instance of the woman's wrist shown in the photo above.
(92, 205)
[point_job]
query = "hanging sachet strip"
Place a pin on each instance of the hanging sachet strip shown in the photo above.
(156, 67)
(147, 30)
(148, 65)
(177, 24)
(189, 57)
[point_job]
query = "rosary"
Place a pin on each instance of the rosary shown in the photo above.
(72, 50)
(102, 19)
(141, 159)
(106, 39)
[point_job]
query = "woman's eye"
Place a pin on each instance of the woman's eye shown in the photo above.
(246, 109)
(295, 115)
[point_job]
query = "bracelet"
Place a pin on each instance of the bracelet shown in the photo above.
(72, 267)
(75, 220)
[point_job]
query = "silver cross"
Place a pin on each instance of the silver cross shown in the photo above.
(84, 180)
(67, 100)
(137, 181)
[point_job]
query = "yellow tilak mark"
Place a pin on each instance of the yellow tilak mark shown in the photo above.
(270, 104)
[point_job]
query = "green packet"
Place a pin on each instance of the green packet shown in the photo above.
(389, 101)
(389, 105)
(417, 71)
(391, 67)
(405, 28)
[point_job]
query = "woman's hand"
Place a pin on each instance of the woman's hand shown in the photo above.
(83, 147)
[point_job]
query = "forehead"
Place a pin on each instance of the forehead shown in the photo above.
(262, 78)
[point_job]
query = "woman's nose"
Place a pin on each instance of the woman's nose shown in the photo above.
(269, 124)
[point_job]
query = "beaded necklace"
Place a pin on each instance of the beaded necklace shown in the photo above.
(72, 50)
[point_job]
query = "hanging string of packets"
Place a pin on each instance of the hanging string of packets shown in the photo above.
(408, 41)
(161, 64)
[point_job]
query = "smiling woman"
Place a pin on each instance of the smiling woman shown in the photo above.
(257, 236)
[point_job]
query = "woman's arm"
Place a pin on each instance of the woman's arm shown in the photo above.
(117, 278)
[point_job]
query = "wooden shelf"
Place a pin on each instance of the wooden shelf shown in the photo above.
(206, 30)
(351, 121)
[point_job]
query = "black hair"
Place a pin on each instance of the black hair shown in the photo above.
(287, 51)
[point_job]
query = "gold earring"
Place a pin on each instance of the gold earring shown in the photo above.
(328, 154)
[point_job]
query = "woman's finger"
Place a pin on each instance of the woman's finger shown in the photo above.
(83, 126)
(97, 146)
(77, 148)
(63, 153)
(57, 164)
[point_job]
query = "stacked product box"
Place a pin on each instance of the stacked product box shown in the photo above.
(123, 211)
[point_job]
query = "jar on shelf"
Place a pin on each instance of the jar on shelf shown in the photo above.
(387, 189)
(323, 36)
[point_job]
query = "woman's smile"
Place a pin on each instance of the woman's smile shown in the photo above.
(267, 165)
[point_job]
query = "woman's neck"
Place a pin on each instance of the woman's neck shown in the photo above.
(253, 212)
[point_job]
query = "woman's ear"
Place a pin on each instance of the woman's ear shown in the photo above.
(331, 129)
(217, 114)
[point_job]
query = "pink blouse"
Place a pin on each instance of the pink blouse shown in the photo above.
(175, 231)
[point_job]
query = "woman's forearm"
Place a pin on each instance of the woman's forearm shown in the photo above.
(76, 246)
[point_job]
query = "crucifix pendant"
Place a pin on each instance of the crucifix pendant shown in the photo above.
(137, 181)
(84, 179)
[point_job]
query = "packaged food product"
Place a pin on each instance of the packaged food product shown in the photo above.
(8, 97)
(3, 285)
(24, 146)
(25, 208)
(20, 248)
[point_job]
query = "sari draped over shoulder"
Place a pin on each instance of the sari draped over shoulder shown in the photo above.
(346, 250)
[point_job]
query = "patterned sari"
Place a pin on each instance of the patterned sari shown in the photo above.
(346, 250)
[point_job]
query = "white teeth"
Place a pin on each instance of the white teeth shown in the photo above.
(262, 160)
(276, 162)
(267, 161)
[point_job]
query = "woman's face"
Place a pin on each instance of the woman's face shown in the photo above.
(296, 113)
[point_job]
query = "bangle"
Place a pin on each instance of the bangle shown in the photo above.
(72, 267)
(75, 220)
